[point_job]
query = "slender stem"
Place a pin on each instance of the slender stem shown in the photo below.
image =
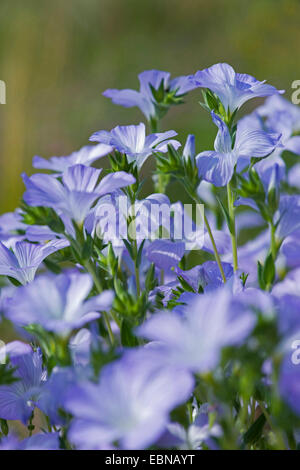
(232, 228)
(91, 269)
(217, 256)
(160, 186)
(137, 281)
(273, 241)
(210, 234)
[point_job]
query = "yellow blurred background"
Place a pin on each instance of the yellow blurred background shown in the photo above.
(57, 57)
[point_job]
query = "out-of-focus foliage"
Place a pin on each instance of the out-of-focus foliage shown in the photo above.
(57, 57)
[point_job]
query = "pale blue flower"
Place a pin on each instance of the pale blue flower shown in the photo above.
(132, 141)
(58, 303)
(130, 404)
(77, 192)
(23, 262)
(85, 156)
(194, 336)
(217, 166)
(233, 89)
(144, 99)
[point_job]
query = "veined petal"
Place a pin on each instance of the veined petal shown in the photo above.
(81, 178)
(255, 143)
(216, 168)
(114, 181)
(129, 98)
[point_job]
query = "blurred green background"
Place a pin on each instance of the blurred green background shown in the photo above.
(57, 57)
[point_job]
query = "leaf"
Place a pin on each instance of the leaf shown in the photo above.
(226, 216)
(254, 432)
(269, 270)
(129, 248)
(260, 275)
(139, 254)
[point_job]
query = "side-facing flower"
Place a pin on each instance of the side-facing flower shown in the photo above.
(206, 276)
(25, 259)
(58, 303)
(18, 400)
(130, 404)
(132, 141)
(85, 156)
(233, 89)
(77, 192)
(217, 166)
(156, 91)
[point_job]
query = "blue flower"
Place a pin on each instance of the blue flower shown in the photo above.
(57, 303)
(189, 151)
(145, 99)
(18, 400)
(23, 262)
(85, 156)
(164, 253)
(193, 337)
(233, 89)
(289, 382)
(217, 166)
(284, 117)
(77, 192)
(130, 404)
(207, 275)
(132, 141)
(288, 216)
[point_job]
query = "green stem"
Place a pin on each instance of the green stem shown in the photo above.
(137, 281)
(160, 186)
(232, 228)
(273, 241)
(91, 269)
(210, 234)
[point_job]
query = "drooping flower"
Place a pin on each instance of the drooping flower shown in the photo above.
(23, 262)
(132, 141)
(130, 404)
(85, 156)
(58, 303)
(217, 166)
(233, 89)
(169, 91)
(194, 336)
(18, 400)
(77, 192)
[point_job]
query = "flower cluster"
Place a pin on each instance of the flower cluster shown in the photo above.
(132, 334)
